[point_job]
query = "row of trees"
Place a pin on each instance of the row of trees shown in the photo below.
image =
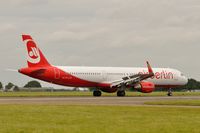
(9, 86)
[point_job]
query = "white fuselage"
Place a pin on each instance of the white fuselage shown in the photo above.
(163, 76)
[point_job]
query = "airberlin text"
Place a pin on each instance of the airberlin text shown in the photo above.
(160, 75)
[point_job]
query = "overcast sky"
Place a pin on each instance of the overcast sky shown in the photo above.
(101, 33)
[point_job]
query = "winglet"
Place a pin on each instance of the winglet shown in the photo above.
(26, 37)
(149, 68)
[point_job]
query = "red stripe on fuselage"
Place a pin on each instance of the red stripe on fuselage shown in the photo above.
(62, 77)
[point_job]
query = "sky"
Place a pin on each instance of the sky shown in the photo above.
(118, 33)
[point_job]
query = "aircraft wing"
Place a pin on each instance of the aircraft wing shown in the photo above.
(133, 79)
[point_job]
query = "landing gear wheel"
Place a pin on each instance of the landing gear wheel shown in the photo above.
(97, 93)
(169, 92)
(121, 93)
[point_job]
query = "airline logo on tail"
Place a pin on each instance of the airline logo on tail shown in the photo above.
(33, 54)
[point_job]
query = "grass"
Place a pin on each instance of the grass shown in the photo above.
(75, 93)
(176, 102)
(97, 119)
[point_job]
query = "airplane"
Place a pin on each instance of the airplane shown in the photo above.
(106, 79)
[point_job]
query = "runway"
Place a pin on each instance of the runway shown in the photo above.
(123, 101)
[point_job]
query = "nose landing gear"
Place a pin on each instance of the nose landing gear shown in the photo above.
(169, 92)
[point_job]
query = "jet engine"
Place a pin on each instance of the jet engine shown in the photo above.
(145, 87)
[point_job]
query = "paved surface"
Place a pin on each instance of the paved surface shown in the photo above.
(130, 101)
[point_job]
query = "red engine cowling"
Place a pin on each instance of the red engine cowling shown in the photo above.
(145, 87)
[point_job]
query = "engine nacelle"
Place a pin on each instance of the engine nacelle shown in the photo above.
(145, 87)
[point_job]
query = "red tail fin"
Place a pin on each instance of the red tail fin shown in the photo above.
(35, 56)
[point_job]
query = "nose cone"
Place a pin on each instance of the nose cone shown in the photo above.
(184, 80)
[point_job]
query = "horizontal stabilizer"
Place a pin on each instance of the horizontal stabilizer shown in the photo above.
(12, 70)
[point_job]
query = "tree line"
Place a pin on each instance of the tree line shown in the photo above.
(13, 87)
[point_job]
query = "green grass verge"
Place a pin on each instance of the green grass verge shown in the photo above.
(176, 102)
(74, 93)
(97, 119)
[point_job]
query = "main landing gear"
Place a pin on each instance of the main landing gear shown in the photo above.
(121, 93)
(97, 93)
(169, 92)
